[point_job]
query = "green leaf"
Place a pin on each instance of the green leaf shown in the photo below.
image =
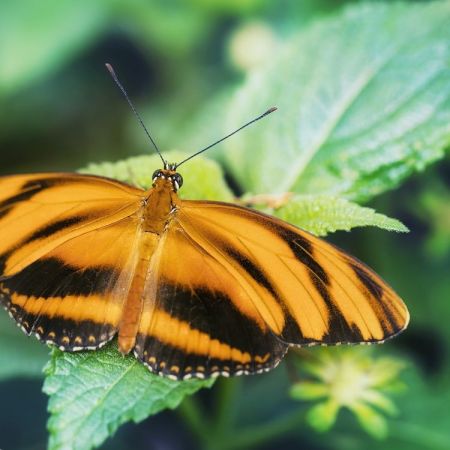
(19, 356)
(364, 102)
(93, 393)
(322, 214)
(229, 6)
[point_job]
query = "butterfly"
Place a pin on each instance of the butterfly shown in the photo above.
(194, 289)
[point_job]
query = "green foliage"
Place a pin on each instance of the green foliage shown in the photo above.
(93, 393)
(364, 102)
(59, 30)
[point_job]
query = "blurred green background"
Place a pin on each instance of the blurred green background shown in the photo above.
(180, 61)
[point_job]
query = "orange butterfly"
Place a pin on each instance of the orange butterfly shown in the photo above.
(193, 288)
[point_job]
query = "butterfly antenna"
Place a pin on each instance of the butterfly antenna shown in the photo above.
(124, 92)
(269, 111)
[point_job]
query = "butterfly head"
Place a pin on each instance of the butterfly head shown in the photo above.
(167, 176)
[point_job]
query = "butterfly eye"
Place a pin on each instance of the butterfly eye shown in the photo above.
(177, 181)
(156, 174)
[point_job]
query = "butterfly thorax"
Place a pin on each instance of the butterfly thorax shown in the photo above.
(161, 202)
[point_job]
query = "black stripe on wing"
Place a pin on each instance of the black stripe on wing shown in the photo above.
(215, 314)
(339, 330)
(53, 228)
(50, 277)
(28, 190)
(375, 295)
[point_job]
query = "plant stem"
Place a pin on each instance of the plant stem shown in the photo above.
(227, 393)
(219, 435)
(193, 416)
(263, 433)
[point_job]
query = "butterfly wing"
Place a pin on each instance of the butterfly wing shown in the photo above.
(237, 287)
(66, 255)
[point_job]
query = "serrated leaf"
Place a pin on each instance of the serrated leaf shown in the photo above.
(93, 393)
(363, 103)
(322, 214)
(19, 356)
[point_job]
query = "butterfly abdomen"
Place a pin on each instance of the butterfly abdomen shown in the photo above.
(159, 204)
(134, 304)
